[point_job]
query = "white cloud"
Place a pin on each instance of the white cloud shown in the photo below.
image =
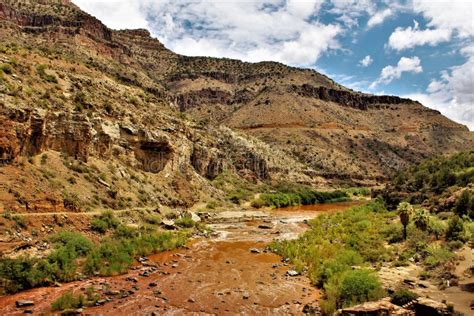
(116, 14)
(379, 17)
(349, 11)
(410, 37)
(455, 15)
(366, 61)
(405, 64)
(256, 31)
(453, 94)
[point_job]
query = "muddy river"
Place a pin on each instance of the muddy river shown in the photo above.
(227, 274)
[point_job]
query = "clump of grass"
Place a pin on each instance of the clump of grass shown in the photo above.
(104, 222)
(68, 301)
(41, 71)
(185, 222)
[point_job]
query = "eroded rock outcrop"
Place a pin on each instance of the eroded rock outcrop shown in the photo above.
(355, 100)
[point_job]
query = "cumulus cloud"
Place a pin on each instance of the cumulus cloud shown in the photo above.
(455, 15)
(259, 30)
(379, 17)
(366, 61)
(116, 14)
(405, 64)
(410, 37)
(453, 94)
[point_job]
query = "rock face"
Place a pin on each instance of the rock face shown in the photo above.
(355, 100)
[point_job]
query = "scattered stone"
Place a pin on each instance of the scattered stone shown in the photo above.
(109, 292)
(168, 224)
(191, 300)
(142, 259)
(152, 284)
(265, 226)
(24, 303)
(312, 309)
(292, 273)
(174, 265)
(132, 279)
(246, 296)
(100, 302)
(254, 250)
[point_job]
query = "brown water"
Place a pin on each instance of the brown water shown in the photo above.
(219, 275)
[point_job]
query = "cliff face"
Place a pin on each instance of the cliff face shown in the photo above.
(120, 103)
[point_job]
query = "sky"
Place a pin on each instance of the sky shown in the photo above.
(419, 49)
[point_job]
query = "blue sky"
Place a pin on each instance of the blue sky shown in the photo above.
(413, 48)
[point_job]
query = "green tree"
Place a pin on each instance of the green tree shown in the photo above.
(405, 210)
(455, 228)
(421, 218)
(464, 204)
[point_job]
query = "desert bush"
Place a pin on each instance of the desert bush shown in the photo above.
(403, 296)
(465, 205)
(74, 241)
(437, 227)
(68, 301)
(185, 222)
(437, 256)
(41, 71)
(105, 221)
(455, 228)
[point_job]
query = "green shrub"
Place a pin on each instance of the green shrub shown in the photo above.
(68, 301)
(105, 221)
(258, 203)
(455, 228)
(24, 273)
(437, 227)
(185, 222)
(152, 219)
(124, 231)
(74, 241)
(403, 296)
(359, 286)
(41, 70)
(464, 205)
(437, 256)
(6, 68)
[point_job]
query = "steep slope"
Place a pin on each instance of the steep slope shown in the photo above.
(137, 124)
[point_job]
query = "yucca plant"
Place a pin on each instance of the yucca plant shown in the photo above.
(405, 210)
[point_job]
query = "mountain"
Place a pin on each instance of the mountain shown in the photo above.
(93, 117)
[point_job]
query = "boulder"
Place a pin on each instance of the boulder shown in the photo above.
(292, 273)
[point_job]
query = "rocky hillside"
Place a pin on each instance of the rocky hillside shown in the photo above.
(93, 117)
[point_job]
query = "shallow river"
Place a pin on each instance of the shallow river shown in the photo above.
(227, 274)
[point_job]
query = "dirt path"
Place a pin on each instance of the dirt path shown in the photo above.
(228, 274)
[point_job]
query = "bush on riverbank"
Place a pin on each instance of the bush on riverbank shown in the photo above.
(74, 254)
(303, 196)
(335, 244)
